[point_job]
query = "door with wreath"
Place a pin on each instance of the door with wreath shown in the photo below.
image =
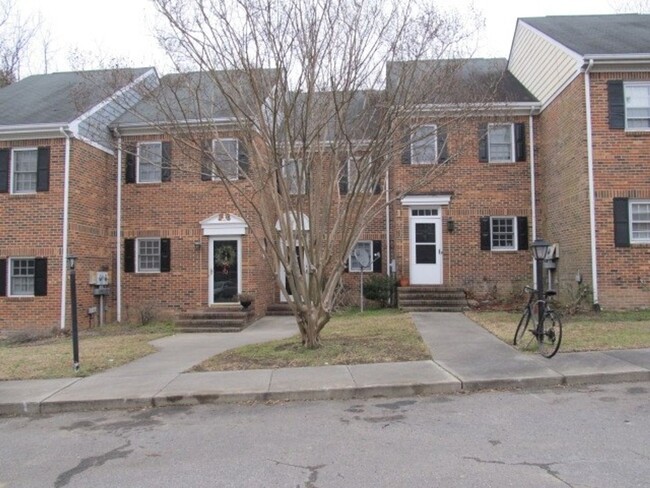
(225, 271)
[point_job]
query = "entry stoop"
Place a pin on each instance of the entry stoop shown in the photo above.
(431, 299)
(229, 318)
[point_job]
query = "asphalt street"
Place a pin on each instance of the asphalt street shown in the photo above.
(595, 436)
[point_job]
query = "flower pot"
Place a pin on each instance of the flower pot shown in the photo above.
(403, 282)
(245, 304)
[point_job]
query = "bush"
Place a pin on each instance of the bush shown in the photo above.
(380, 289)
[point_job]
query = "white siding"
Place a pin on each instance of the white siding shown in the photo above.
(541, 64)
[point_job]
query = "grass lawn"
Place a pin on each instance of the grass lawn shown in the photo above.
(375, 336)
(100, 348)
(583, 332)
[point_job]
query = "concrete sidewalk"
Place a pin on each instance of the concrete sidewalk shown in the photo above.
(466, 358)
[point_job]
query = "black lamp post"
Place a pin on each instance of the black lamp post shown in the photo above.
(73, 304)
(539, 247)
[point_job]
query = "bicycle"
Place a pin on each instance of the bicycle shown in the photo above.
(548, 341)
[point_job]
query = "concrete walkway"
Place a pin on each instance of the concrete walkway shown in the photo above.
(466, 357)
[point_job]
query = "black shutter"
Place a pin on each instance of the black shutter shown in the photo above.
(40, 277)
(243, 159)
(522, 233)
(520, 142)
(166, 166)
(43, 169)
(165, 255)
(130, 165)
(443, 147)
(5, 154)
(406, 149)
(206, 160)
(616, 104)
(621, 223)
(376, 248)
(483, 143)
(129, 255)
(3, 277)
(343, 180)
(486, 245)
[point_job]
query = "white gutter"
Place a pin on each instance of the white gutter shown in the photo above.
(66, 208)
(592, 204)
(533, 197)
(387, 227)
(118, 225)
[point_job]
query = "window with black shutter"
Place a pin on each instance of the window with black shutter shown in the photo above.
(43, 169)
(5, 156)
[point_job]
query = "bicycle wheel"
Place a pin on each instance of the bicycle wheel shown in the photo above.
(527, 323)
(552, 336)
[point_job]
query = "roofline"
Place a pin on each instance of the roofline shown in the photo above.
(521, 108)
(33, 131)
(141, 128)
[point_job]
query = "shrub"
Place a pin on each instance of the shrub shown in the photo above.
(380, 289)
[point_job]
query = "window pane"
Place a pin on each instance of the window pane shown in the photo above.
(361, 249)
(290, 171)
(226, 154)
(423, 145)
(149, 162)
(425, 232)
(640, 217)
(500, 141)
(503, 233)
(425, 254)
(148, 254)
(25, 166)
(637, 106)
(22, 276)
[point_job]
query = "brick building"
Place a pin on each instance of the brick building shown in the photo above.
(557, 150)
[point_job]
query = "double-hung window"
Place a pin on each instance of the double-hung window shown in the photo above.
(148, 255)
(503, 233)
(226, 157)
(360, 183)
(24, 170)
(424, 145)
(294, 177)
(501, 143)
(22, 273)
(149, 162)
(637, 106)
(640, 221)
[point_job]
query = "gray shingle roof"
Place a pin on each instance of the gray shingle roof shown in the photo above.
(60, 97)
(450, 81)
(597, 34)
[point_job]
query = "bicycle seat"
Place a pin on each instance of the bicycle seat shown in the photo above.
(550, 293)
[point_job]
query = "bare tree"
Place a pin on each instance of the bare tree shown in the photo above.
(15, 35)
(630, 6)
(324, 96)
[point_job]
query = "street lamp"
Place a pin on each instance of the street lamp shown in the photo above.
(539, 248)
(73, 304)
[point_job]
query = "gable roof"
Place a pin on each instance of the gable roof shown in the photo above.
(597, 34)
(460, 81)
(60, 98)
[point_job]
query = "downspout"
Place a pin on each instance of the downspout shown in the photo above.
(387, 227)
(118, 228)
(533, 194)
(592, 202)
(66, 209)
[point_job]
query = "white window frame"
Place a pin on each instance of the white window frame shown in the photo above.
(636, 84)
(12, 183)
(297, 191)
(634, 240)
(138, 268)
(352, 269)
(10, 276)
(512, 142)
(433, 132)
(368, 189)
(159, 166)
(515, 243)
(216, 162)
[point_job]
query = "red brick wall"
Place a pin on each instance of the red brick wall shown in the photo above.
(621, 169)
(478, 189)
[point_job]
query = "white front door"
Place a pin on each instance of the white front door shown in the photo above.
(425, 237)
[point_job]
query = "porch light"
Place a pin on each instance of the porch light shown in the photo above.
(539, 248)
(71, 262)
(451, 225)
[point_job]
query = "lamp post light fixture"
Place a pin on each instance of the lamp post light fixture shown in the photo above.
(73, 305)
(539, 248)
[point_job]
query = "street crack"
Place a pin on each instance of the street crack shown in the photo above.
(313, 472)
(547, 467)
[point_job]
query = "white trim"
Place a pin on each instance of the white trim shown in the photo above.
(515, 234)
(592, 186)
(439, 243)
(533, 192)
(221, 140)
(481, 109)
(137, 162)
(221, 224)
(10, 275)
(435, 144)
(631, 202)
(512, 142)
(425, 200)
(161, 127)
(12, 171)
(626, 84)
(118, 246)
(66, 211)
(292, 221)
(137, 255)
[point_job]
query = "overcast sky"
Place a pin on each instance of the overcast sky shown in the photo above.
(123, 29)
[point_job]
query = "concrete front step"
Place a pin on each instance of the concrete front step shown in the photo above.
(191, 330)
(433, 309)
(227, 319)
(431, 299)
